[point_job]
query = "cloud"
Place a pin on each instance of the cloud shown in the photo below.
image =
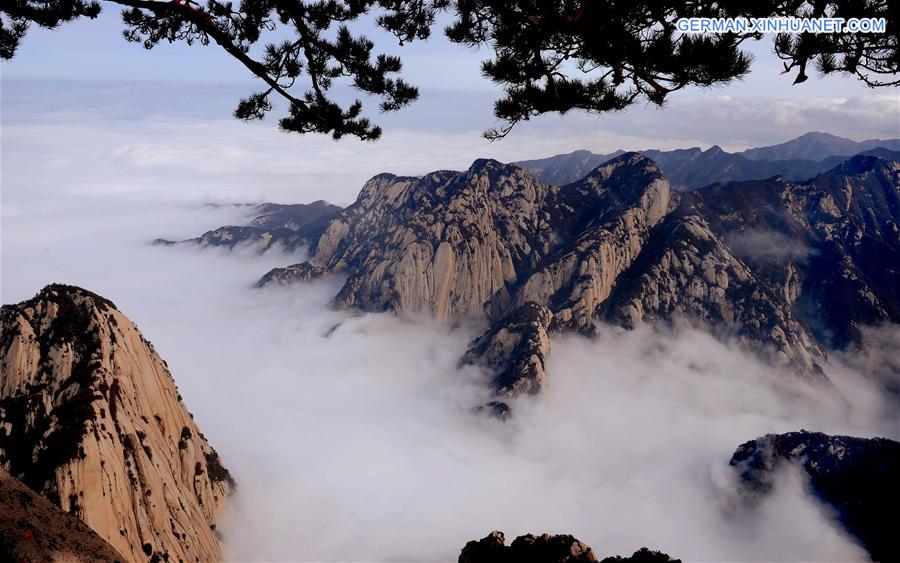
(767, 246)
(113, 137)
(352, 438)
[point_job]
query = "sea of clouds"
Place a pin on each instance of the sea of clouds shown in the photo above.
(352, 436)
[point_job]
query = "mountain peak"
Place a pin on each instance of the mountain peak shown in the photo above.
(482, 164)
(96, 425)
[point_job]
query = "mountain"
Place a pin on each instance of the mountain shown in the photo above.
(693, 168)
(565, 168)
(854, 477)
(828, 243)
(93, 422)
(817, 146)
(789, 269)
(288, 225)
(546, 548)
(34, 529)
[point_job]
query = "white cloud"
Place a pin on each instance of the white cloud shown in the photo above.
(358, 442)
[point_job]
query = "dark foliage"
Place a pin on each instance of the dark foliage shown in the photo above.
(550, 57)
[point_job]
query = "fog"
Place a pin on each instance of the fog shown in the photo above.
(351, 437)
(767, 246)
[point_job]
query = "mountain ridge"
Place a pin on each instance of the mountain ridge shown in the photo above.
(692, 168)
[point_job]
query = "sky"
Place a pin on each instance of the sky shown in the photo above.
(133, 109)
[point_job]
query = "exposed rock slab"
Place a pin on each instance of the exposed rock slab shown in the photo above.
(92, 420)
(857, 477)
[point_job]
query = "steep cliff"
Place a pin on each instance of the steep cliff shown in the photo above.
(92, 420)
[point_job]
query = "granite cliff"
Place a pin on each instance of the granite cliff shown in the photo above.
(92, 421)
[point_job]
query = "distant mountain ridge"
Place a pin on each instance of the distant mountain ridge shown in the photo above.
(274, 223)
(798, 159)
(817, 145)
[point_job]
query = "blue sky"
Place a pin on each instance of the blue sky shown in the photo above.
(121, 113)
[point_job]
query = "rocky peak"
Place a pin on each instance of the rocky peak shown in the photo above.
(447, 242)
(546, 548)
(855, 477)
(92, 420)
(528, 548)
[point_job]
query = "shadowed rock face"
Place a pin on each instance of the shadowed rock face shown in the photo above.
(822, 244)
(857, 477)
(35, 530)
(546, 548)
(92, 420)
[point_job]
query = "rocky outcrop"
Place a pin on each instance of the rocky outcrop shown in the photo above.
(686, 274)
(289, 226)
(291, 274)
(527, 548)
(546, 548)
(92, 420)
(643, 555)
(856, 477)
(494, 242)
(35, 530)
(514, 351)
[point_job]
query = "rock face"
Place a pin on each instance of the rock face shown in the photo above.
(449, 242)
(857, 477)
(515, 350)
(35, 530)
(545, 548)
(822, 244)
(92, 420)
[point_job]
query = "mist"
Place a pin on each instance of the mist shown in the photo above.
(352, 437)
